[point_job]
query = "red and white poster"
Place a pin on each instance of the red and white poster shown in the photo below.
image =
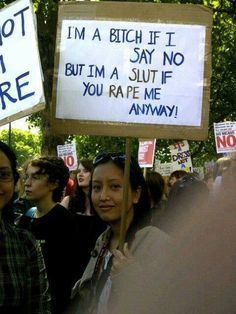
(68, 153)
(225, 137)
(146, 153)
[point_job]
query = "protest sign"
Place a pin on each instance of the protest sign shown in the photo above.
(68, 153)
(165, 169)
(132, 69)
(225, 137)
(21, 88)
(146, 153)
(181, 157)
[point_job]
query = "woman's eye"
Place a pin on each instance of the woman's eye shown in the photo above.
(96, 188)
(115, 186)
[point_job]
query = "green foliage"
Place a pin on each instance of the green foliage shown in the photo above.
(90, 146)
(25, 143)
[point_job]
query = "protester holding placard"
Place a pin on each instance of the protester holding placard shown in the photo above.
(23, 281)
(109, 269)
(52, 225)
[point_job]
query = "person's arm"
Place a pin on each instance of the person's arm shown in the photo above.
(38, 300)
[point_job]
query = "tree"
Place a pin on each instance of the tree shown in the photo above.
(25, 144)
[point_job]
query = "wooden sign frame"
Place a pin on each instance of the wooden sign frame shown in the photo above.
(143, 12)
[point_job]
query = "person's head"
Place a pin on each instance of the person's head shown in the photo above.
(84, 172)
(156, 186)
(175, 176)
(187, 194)
(107, 189)
(8, 179)
(46, 176)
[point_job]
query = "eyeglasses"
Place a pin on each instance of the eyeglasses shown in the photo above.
(33, 177)
(108, 156)
(6, 176)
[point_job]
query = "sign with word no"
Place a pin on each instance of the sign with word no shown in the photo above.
(68, 153)
(225, 137)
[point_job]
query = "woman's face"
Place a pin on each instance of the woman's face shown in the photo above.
(83, 176)
(107, 193)
(6, 181)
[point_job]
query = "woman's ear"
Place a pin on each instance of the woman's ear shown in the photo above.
(136, 194)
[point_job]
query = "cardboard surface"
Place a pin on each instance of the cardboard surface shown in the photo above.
(136, 13)
(21, 86)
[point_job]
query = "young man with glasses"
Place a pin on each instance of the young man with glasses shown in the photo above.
(45, 180)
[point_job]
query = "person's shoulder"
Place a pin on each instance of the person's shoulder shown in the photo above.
(151, 238)
(60, 209)
(20, 235)
(151, 231)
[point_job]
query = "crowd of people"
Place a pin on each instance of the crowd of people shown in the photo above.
(61, 248)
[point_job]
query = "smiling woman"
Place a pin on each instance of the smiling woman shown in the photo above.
(100, 290)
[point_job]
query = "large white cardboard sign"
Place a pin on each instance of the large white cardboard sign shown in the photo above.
(122, 71)
(21, 88)
(132, 69)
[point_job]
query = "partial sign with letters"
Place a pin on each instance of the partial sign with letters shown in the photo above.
(68, 153)
(165, 169)
(21, 88)
(181, 157)
(225, 137)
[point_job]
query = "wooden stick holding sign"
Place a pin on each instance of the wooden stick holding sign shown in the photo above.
(125, 194)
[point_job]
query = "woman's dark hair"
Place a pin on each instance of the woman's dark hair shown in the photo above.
(87, 164)
(178, 174)
(185, 189)
(7, 211)
(156, 186)
(142, 213)
(77, 201)
(57, 172)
